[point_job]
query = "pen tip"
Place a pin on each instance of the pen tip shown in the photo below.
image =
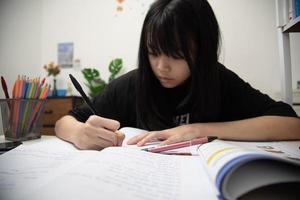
(72, 78)
(211, 138)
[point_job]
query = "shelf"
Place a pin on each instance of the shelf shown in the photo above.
(292, 26)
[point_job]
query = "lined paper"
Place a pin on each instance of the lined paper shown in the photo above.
(56, 170)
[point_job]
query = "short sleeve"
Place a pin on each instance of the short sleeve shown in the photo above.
(240, 100)
(116, 101)
(102, 103)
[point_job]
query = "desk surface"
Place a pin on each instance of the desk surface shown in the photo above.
(44, 137)
(27, 142)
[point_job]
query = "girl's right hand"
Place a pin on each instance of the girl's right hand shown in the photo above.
(98, 133)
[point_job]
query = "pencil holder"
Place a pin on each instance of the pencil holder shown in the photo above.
(22, 118)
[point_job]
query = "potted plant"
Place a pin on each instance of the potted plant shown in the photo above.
(94, 81)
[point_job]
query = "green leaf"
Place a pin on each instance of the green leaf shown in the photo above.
(94, 81)
(95, 73)
(115, 65)
(90, 74)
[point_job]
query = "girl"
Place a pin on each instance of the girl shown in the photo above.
(179, 91)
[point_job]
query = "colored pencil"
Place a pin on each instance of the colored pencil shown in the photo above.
(27, 103)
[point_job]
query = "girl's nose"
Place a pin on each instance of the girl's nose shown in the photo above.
(163, 63)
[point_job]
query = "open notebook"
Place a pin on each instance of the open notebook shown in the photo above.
(54, 169)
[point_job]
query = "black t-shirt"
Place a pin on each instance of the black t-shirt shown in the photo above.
(238, 101)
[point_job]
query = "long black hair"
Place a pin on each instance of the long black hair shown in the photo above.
(185, 29)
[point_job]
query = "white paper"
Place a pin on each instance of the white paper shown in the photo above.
(28, 166)
(56, 170)
(124, 173)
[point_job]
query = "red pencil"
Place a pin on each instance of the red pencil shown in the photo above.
(43, 81)
(4, 87)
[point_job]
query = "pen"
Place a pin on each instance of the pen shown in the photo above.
(178, 145)
(4, 87)
(85, 98)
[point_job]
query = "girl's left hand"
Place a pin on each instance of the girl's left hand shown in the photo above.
(172, 135)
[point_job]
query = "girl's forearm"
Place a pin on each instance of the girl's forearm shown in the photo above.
(259, 128)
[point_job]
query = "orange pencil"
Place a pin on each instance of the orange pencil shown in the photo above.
(14, 89)
(44, 92)
(16, 107)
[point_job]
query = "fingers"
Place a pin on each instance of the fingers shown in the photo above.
(89, 140)
(170, 140)
(107, 127)
(151, 136)
(101, 133)
(98, 121)
(98, 133)
(137, 138)
(120, 138)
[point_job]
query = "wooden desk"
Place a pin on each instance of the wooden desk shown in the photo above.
(55, 108)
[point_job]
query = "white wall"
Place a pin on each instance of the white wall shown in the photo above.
(31, 29)
(250, 41)
(20, 39)
(250, 45)
(98, 31)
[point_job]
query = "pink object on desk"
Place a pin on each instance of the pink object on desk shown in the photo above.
(178, 145)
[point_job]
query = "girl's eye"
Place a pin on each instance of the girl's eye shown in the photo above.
(152, 54)
(178, 56)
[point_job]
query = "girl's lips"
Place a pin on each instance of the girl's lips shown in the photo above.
(164, 78)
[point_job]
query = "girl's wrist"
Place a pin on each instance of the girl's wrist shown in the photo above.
(199, 130)
(78, 129)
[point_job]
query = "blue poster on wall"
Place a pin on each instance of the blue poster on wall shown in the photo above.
(65, 54)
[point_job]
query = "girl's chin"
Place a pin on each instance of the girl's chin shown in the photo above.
(168, 84)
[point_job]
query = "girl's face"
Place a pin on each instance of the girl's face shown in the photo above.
(171, 72)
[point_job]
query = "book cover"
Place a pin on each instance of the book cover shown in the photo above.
(242, 169)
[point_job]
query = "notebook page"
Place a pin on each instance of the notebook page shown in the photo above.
(129, 133)
(34, 163)
(131, 174)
